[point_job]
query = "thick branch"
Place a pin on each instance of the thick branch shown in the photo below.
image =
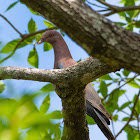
(98, 36)
(82, 73)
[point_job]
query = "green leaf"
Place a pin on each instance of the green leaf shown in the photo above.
(38, 36)
(129, 27)
(47, 88)
(47, 46)
(137, 107)
(112, 102)
(118, 74)
(62, 33)
(130, 3)
(33, 58)
(55, 115)
(45, 105)
(136, 13)
(79, 60)
(32, 26)
(103, 88)
(48, 24)
(12, 5)
(106, 77)
(124, 106)
(90, 120)
(115, 118)
(122, 14)
(33, 12)
(126, 72)
(127, 118)
(133, 83)
(120, 23)
(137, 24)
(12, 44)
(2, 87)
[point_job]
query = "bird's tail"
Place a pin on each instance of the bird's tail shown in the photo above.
(99, 118)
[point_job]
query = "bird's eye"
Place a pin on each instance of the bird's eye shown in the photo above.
(51, 35)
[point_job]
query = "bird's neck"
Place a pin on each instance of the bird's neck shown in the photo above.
(61, 51)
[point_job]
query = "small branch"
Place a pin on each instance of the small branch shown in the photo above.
(116, 9)
(95, 4)
(12, 51)
(121, 9)
(128, 114)
(25, 36)
(121, 86)
(108, 5)
(133, 109)
(37, 32)
(11, 25)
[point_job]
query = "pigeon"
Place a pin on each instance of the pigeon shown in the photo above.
(63, 59)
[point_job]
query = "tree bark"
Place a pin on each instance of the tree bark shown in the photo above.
(100, 37)
(80, 74)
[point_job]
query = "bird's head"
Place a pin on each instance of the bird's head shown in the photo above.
(50, 36)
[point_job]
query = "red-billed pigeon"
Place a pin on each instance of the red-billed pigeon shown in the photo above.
(63, 59)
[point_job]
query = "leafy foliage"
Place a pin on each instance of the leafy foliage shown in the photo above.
(22, 120)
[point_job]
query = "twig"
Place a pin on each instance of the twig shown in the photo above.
(25, 36)
(116, 9)
(11, 25)
(95, 4)
(108, 5)
(133, 109)
(121, 9)
(128, 114)
(121, 86)
(12, 51)
(103, 10)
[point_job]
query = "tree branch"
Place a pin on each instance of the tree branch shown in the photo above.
(100, 37)
(122, 9)
(116, 9)
(82, 73)
(11, 25)
(107, 4)
(24, 37)
(133, 109)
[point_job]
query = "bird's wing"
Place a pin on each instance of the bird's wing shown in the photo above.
(100, 121)
(94, 99)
